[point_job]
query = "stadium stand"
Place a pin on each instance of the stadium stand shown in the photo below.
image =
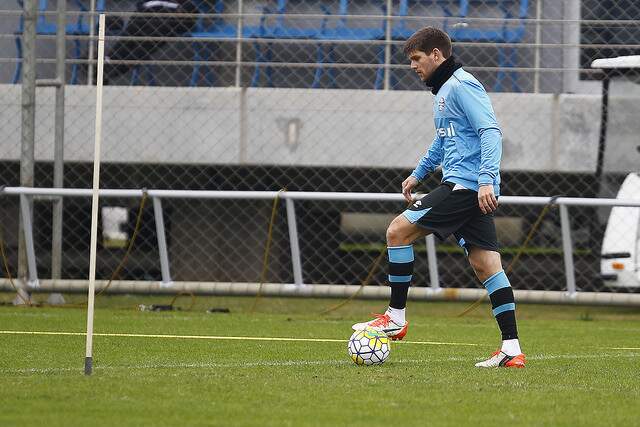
(46, 26)
(504, 32)
(216, 28)
(344, 30)
(269, 33)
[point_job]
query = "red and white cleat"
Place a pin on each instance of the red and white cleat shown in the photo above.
(502, 360)
(383, 323)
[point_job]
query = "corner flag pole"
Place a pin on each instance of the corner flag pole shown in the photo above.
(88, 360)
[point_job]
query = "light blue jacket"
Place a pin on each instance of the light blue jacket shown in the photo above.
(468, 141)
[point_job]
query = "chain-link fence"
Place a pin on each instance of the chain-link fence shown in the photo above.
(316, 96)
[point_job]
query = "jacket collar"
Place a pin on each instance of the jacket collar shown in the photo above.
(442, 74)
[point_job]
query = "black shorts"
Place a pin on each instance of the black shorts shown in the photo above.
(444, 212)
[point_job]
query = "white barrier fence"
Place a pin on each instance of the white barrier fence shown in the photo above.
(298, 288)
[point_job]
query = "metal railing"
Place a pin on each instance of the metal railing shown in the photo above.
(27, 194)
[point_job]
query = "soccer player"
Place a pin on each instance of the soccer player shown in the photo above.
(468, 145)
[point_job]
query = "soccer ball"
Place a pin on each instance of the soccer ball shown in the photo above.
(369, 347)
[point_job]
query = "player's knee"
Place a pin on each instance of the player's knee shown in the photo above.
(397, 234)
(393, 235)
(485, 263)
(476, 264)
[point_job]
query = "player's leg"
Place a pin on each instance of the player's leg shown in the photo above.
(487, 265)
(400, 237)
(429, 214)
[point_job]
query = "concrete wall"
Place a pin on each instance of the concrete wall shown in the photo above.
(315, 127)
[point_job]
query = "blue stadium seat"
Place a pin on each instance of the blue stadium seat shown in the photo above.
(219, 28)
(501, 33)
(343, 31)
(216, 28)
(48, 27)
(137, 72)
(401, 30)
(280, 29)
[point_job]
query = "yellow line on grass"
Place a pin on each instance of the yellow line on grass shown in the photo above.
(213, 337)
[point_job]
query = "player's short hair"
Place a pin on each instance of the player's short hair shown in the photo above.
(427, 39)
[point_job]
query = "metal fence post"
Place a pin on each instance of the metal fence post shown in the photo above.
(293, 239)
(162, 242)
(387, 46)
(567, 250)
(432, 261)
(58, 152)
(239, 46)
(28, 124)
(536, 57)
(28, 237)
(92, 34)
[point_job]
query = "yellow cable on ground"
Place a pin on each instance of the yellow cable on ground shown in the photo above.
(475, 304)
(5, 262)
(267, 249)
(265, 261)
(515, 259)
(191, 294)
(114, 275)
(373, 269)
(136, 229)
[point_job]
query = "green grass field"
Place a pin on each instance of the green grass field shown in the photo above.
(576, 373)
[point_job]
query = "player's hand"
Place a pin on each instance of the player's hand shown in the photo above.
(487, 199)
(408, 185)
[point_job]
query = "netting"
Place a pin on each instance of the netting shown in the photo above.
(315, 96)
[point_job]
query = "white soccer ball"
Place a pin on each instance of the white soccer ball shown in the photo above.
(369, 347)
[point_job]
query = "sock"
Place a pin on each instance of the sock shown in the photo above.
(400, 273)
(503, 304)
(397, 315)
(511, 347)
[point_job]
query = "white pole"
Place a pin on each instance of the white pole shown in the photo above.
(88, 360)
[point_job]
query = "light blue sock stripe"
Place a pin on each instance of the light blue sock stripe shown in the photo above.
(504, 307)
(497, 281)
(396, 279)
(400, 254)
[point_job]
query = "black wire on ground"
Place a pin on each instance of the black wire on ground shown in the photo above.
(170, 306)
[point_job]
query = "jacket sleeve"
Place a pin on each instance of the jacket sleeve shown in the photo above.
(490, 155)
(475, 102)
(430, 160)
